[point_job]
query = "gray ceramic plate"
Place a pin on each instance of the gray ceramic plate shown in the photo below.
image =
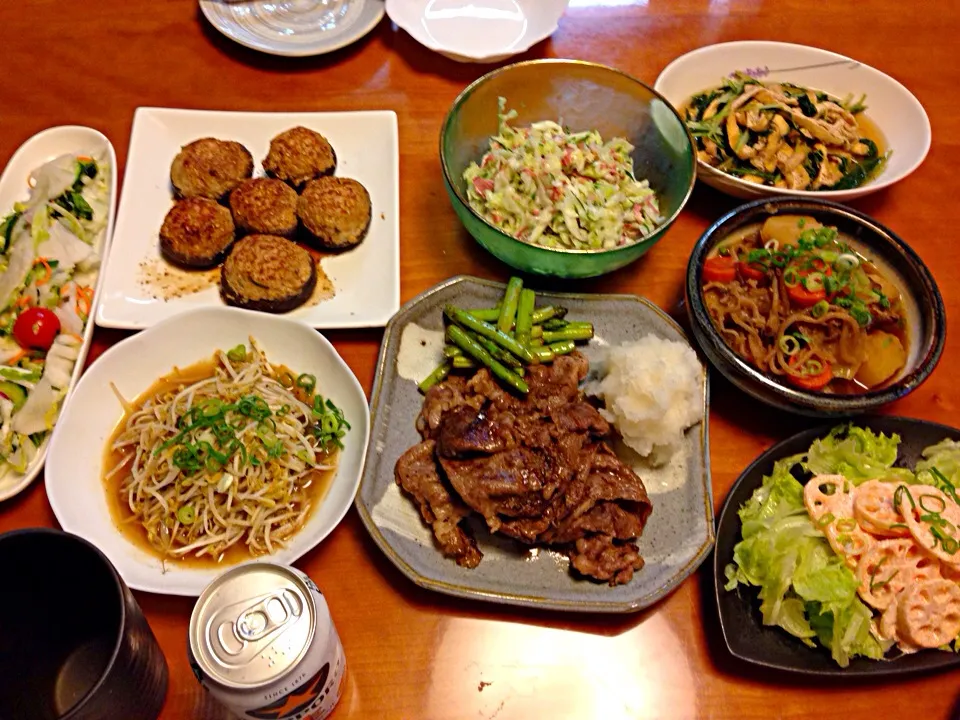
(678, 536)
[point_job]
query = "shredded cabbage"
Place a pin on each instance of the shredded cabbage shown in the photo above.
(548, 186)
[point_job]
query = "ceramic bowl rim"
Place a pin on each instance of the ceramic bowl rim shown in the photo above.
(737, 370)
(653, 236)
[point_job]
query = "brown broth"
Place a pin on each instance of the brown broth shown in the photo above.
(837, 386)
(125, 521)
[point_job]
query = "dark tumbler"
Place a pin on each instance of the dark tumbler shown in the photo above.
(73, 642)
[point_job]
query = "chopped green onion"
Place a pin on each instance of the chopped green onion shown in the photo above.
(237, 354)
(847, 261)
(791, 277)
(847, 525)
(820, 309)
(307, 382)
(789, 345)
(928, 497)
(813, 282)
(186, 515)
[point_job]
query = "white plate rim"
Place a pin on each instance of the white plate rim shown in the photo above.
(107, 317)
(458, 54)
(310, 51)
(753, 190)
(193, 580)
(25, 479)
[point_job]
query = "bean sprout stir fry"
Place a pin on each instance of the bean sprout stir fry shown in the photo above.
(227, 459)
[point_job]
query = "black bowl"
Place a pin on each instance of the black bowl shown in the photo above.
(921, 296)
(744, 633)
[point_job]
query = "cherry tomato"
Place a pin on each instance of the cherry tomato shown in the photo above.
(36, 328)
(813, 382)
(719, 268)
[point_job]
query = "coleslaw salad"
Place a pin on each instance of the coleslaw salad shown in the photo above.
(547, 186)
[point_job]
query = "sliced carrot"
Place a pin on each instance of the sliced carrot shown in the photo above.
(813, 382)
(719, 268)
(751, 271)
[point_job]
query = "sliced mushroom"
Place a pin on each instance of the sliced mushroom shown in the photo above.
(816, 128)
(757, 120)
(829, 173)
(745, 97)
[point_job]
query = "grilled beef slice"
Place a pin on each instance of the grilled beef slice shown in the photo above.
(536, 468)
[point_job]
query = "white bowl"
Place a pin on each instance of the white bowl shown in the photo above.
(892, 107)
(75, 461)
(483, 31)
(42, 147)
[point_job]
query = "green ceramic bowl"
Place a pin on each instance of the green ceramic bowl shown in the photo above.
(582, 96)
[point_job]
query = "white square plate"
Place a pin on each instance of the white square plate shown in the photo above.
(366, 279)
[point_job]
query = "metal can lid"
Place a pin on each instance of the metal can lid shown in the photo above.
(252, 625)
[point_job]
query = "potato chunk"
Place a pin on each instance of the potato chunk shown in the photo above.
(885, 357)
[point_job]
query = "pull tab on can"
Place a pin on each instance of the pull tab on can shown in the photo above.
(239, 631)
(254, 625)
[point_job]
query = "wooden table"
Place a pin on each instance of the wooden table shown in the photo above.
(411, 653)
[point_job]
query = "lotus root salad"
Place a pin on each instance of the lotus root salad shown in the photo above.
(50, 248)
(546, 185)
(864, 558)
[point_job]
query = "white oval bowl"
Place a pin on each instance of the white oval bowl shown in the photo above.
(899, 115)
(483, 31)
(75, 463)
(42, 147)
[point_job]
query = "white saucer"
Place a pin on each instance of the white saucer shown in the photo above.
(477, 30)
(294, 28)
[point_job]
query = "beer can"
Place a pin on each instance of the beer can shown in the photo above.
(262, 642)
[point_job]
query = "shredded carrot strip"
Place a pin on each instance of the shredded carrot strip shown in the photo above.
(84, 300)
(17, 358)
(22, 302)
(46, 266)
(74, 335)
(84, 158)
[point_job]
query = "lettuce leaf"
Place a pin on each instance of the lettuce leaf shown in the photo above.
(940, 467)
(858, 454)
(805, 587)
